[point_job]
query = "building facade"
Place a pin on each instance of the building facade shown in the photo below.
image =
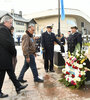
(40, 20)
(73, 17)
(20, 24)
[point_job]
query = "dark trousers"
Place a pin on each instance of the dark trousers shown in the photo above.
(46, 64)
(33, 67)
(62, 49)
(12, 76)
(14, 62)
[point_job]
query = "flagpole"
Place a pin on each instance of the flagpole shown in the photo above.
(59, 18)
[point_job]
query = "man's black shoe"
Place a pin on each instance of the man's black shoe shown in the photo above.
(21, 88)
(22, 81)
(3, 95)
(39, 80)
(52, 71)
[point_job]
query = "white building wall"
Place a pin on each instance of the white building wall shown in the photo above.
(65, 24)
(19, 29)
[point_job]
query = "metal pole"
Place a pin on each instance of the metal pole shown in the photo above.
(59, 18)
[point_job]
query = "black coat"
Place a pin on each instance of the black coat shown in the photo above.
(63, 43)
(73, 40)
(62, 40)
(48, 44)
(7, 48)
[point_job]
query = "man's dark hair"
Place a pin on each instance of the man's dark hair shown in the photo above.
(69, 31)
(12, 28)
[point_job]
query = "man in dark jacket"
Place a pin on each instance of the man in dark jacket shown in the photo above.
(63, 43)
(74, 39)
(48, 39)
(7, 51)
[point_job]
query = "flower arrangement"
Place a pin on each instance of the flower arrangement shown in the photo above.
(74, 70)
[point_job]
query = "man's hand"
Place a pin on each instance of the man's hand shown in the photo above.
(28, 60)
(43, 50)
(36, 38)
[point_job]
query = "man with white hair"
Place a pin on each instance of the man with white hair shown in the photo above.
(7, 51)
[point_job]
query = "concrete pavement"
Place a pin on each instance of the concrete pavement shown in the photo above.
(51, 89)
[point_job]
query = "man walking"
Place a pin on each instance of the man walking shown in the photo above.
(48, 39)
(29, 49)
(14, 59)
(7, 51)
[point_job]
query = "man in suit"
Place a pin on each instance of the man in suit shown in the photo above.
(48, 39)
(63, 43)
(74, 39)
(7, 51)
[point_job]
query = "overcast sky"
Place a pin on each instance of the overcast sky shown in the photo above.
(30, 6)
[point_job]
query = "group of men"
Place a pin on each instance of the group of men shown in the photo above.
(8, 52)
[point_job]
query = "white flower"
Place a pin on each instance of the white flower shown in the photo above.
(76, 73)
(84, 63)
(83, 73)
(70, 79)
(78, 79)
(77, 51)
(66, 77)
(80, 66)
(76, 64)
(74, 79)
(64, 70)
(81, 56)
(67, 68)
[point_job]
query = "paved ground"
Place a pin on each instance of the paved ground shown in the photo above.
(51, 89)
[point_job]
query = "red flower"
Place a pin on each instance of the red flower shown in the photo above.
(80, 75)
(73, 83)
(70, 58)
(66, 62)
(73, 66)
(67, 73)
(64, 76)
(69, 64)
(73, 75)
(78, 61)
(68, 79)
(76, 67)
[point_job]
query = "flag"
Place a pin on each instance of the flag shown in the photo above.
(62, 10)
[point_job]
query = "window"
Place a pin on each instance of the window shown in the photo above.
(22, 31)
(71, 22)
(20, 23)
(82, 24)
